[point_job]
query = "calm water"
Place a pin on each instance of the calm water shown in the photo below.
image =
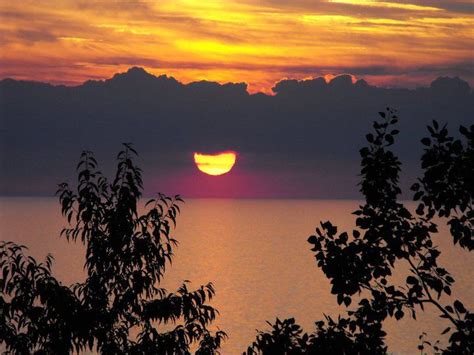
(254, 251)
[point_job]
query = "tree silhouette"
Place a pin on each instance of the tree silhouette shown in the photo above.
(361, 263)
(119, 307)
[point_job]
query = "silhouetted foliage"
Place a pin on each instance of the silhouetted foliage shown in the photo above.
(119, 307)
(37, 313)
(361, 263)
(331, 337)
(447, 186)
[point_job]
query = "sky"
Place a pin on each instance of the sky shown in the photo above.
(291, 86)
(398, 43)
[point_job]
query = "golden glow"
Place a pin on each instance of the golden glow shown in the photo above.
(216, 164)
(259, 42)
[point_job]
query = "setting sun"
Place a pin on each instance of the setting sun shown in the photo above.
(215, 164)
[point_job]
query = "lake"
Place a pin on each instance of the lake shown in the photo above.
(256, 254)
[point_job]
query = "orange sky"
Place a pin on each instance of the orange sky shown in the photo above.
(396, 43)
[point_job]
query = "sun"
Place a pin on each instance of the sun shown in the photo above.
(215, 164)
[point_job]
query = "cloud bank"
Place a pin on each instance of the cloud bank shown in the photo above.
(301, 142)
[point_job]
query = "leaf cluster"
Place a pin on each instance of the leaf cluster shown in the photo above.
(126, 255)
(447, 185)
(341, 336)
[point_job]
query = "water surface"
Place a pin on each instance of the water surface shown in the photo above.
(256, 254)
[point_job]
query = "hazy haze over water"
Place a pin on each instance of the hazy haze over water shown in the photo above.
(256, 254)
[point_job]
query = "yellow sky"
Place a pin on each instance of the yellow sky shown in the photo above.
(393, 43)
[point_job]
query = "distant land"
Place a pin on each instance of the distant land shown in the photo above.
(302, 142)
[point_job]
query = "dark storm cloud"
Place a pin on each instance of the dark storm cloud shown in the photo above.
(309, 132)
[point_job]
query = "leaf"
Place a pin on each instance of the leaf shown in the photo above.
(340, 299)
(426, 141)
(149, 201)
(343, 237)
(412, 280)
(312, 239)
(447, 290)
(459, 307)
(417, 195)
(446, 330)
(420, 209)
(399, 314)
(389, 139)
(4, 278)
(449, 279)
(364, 152)
(347, 301)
